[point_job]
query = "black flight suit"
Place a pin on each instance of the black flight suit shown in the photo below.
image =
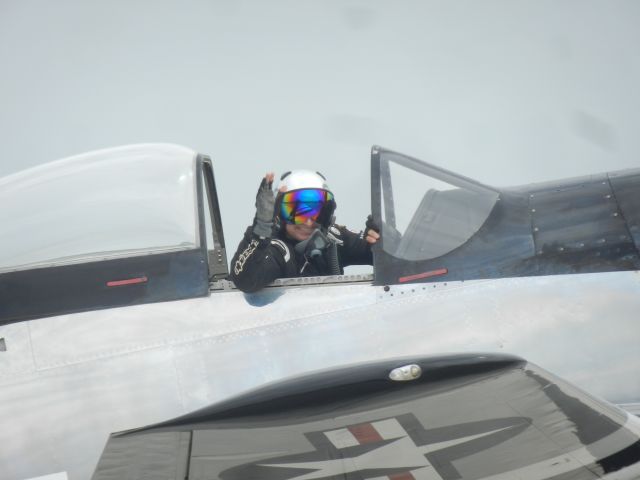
(258, 262)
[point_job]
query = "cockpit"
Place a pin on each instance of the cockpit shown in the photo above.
(141, 224)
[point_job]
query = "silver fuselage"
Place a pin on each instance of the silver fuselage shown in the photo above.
(67, 382)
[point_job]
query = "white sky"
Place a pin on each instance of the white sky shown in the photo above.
(507, 92)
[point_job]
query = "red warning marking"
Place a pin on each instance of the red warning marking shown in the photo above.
(365, 433)
(417, 276)
(402, 476)
(129, 281)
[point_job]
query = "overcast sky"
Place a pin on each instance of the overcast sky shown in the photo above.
(507, 92)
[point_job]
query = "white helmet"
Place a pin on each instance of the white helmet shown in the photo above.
(304, 196)
(299, 179)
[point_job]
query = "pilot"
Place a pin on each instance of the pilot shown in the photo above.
(293, 234)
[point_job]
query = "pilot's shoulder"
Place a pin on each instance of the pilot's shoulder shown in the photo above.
(336, 229)
(282, 247)
(342, 231)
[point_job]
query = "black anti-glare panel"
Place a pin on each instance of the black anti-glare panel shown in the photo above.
(577, 216)
(626, 190)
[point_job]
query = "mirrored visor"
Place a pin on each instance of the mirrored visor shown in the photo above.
(300, 207)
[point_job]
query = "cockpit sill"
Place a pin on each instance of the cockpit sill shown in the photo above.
(353, 279)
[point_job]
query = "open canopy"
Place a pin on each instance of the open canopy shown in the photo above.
(109, 203)
(428, 211)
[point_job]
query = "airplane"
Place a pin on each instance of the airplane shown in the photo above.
(115, 312)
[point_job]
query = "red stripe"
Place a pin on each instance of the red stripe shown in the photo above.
(129, 281)
(417, 276)
(402, 476)
(365, 433)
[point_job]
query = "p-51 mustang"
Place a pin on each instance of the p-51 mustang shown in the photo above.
(115, 315)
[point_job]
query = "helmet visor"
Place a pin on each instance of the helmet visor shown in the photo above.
(304, 206)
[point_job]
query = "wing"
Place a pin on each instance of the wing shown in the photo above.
(454, 417)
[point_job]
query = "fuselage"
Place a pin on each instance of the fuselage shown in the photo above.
(109, 321)
(67, 382)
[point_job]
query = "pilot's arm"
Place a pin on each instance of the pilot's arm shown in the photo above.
(258, 262)
(356, 248)
(260, 259)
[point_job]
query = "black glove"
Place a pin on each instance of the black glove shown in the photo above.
(265, 203)
(370, 225)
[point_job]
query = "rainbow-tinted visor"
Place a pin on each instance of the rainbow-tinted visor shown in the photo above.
(307, 205)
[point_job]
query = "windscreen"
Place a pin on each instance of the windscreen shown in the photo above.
(427, 212)
(115, 202)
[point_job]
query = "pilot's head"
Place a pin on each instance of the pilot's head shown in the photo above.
(304, 203)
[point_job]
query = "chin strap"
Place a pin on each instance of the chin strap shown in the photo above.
(335, 240)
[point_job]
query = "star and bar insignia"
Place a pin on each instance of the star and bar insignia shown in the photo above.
(396, 448)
